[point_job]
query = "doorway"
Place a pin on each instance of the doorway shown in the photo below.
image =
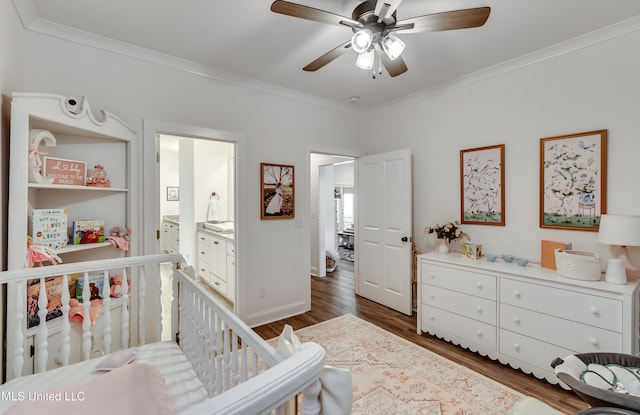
(192, 188)
(333, 214)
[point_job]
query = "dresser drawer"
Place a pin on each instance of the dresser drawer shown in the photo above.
(204, 238)
(438, 321)
(464, 304)
(218, 284)
(474, 283)
(204, 269)
(583, 308)
(558, 331)
(204, 252)
(531, 351)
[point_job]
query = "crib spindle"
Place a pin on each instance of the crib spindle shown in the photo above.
(86, 321)
(106, 301)
(65, 328)
(18, 314)
(125, 309)
(142, 293)
(310, 403)
(174, 307)
(43, 334)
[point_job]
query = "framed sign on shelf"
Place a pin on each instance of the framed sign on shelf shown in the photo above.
(573, 172)
(482, 185)
(277, 191)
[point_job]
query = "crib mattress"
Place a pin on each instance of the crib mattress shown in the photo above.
(183, 386)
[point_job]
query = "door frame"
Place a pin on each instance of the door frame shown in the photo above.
(334, 151)
(149, 215)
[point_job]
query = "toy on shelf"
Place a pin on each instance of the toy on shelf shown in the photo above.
(119, 238)
(98, 177)
(38, 254)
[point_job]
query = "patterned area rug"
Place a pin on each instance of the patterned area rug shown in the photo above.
(392, 376)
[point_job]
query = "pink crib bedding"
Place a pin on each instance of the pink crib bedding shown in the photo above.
(184, 389)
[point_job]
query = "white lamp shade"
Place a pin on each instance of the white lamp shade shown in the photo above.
(361, 40)
(392, 46)
(365, 59)
(621, 230)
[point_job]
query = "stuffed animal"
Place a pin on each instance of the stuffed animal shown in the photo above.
(116, 286)
(119, 238)
(37, 254)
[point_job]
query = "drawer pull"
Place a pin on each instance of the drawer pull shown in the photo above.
(432, 297)
(479, 334)
(216, 242)
(594, 342)
(516, 346)
(517, 293)
(479, 310)
(432, 275)
(479, 285)
(516, 320)
(594, 311)
(432, 317)
(216, 283)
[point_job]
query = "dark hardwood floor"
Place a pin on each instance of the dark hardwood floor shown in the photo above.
(334, 296)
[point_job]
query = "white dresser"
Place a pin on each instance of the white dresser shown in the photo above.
(523, 316)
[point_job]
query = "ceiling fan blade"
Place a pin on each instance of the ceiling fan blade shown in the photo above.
(309, 13)
(456, 19)
(385, 8)
(328, 57)
(394, 67)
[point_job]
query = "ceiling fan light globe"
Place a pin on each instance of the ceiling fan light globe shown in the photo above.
(365, 59)
(392, 46)
(361, 40)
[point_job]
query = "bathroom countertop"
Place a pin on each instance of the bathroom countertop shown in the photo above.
(171, 218)
(228, 236)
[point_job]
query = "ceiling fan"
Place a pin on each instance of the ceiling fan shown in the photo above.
(374, 24)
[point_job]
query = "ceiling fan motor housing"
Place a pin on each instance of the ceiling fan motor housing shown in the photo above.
(364, 14)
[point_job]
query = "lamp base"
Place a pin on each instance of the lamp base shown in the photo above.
(616, 272)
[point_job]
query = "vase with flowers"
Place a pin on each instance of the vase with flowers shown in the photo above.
(447, 233)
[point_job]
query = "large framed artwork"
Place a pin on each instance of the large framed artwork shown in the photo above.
(482, 185)
(573, 173)
(277, 191)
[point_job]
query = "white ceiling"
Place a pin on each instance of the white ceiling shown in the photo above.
(244, 41)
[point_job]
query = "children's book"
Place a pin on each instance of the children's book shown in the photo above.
(96, 287)
(54, 300)
(88, 232)
(49, 227)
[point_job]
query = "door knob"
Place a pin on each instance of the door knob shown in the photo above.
(404, 239)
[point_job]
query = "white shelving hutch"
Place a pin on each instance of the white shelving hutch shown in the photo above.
(80, 135)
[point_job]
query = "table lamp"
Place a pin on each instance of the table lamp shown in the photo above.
(623, 230)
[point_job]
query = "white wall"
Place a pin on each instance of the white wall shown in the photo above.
(278, 129)
(588, 89)
(212, 175)
(169, 174)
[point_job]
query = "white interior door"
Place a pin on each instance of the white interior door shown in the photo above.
(384, 229)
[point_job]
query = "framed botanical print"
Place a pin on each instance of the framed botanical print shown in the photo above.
(573, 171)
(277, 191)
(482, 186)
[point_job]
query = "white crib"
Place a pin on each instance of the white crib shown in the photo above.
(215, 364)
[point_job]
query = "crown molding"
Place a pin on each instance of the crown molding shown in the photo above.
(27, 13)
(31, 22)
(599, 36)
